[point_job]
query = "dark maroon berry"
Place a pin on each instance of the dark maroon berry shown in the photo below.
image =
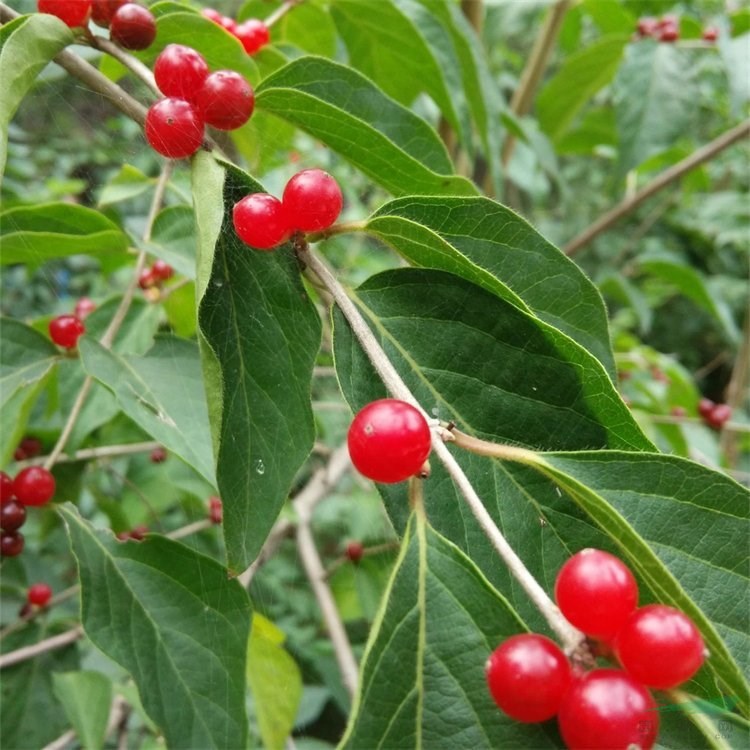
(12, 516)
(133, 27)
(11, 543)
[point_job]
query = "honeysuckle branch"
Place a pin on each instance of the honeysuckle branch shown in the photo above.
(42, 647)
(56, 600)
(667, 177)
(281, 11)
(571, 638)
(89, 454)
(701, 719)
(133, 64)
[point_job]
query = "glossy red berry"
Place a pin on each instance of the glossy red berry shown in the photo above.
(226, 100)
(84, 307)
(180, 71)
(6, 488)
(389, 441)
(355, 551)
(12, 516)
(719, 416)
(65, 330)
(34, 486)
(174, 128)
(253, 34)
(158, 455)
(162, 270)
(71, 12)
(710, 34)
(103, 10)
(260, 221)
(660, 646)
(527, 676)
(669, 32)
(229, 24)
(212, 15)
(11, 543)
(312, 200)
(133, 27)
(607, 710)
(596, 592)
(39, 594)
(215, 509)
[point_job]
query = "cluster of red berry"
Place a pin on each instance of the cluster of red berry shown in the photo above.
(31, 486)
(155, 276)
(667, 29)
(253, 34)
(130, 25)
(194, 98)
(657, 646)
(311, 202)
(713, 414)
(389, 441)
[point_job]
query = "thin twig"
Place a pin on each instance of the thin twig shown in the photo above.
(191, 528)
(62, 741)
(170, 290)
(133, 64)
(667, 177)
(87, 454)
(42, 647)
(280, 12)
(570, 637)
(736, 394)
(282, 529)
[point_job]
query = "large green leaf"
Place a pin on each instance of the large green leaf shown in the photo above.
(26, 360)
(352, 116)
(162, 392)
(86, 697)
(260, 336)
(34, 234)
(579, 78)
(173, 239)
(422, 684)
(27, 44)
(680, 526)
(494, 247)
(173, 619)
(654, 100)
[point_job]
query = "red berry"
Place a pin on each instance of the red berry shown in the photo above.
(596, 592)
(527, 676)
(39, 594)
(147, 279)
(65, 330)
(162, 270)
(11, 543)
(660, 646)
(669, 33)
(226, 100)
(260, 221)
(12, 516)
(133, 27)
(312, 200)
(180, 71)
(389, 441)
(607, 710)
(710, 34)
(719, 416)
(6, 488)
(215, 509)
(34, 486)
(84, 307)
(28, 448)
(174, 128)
(228, 23)
(647, 26)
(705, 407)
(678, 411)
(138, 533)
(71, 12)
(103, 10)
(253, 34)
(354, 551)
(212, 15)
(158, 455)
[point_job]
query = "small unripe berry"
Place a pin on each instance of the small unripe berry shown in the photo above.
(65, 330)
(260, 221)
(84, 307)
(174, 128)
(158, 455)
(34, 486)
(133, 27)
(74, 13)
(710, 34)
(39, 594)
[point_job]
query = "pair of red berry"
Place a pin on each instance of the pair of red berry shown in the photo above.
(31, 486)
(130, 25)
(194, 98)
(155, 276)
(253, 34)
(311, 202)
(664, 29)
(389, 441)
(714, 415)
(29, 447)
(658, 646)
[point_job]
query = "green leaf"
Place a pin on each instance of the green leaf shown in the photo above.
(162, 392)
(173, 619)
(34, 234)
(173, 239)
(346, 111)
(31, 717)
(611, 16)
(86, 698)
(735, 54)
(654, 100)
(26, 361)
(27, 44)
(678, 525)
(494, 247)
(309, 28)
(422, 683)
(580, 77)
(129, 182)
(275, 682)
(260, 336)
